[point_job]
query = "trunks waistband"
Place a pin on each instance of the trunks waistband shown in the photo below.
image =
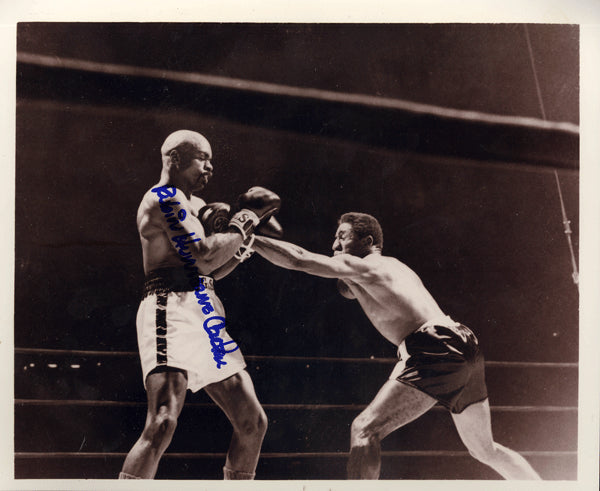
(444, 321)
(167, 280)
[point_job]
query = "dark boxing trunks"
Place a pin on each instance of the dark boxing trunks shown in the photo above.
(444, 362)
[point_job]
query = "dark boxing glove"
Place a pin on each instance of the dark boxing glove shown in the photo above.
(270, 228)
(215, 217)
(256, 206)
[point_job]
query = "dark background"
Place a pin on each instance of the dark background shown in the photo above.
(467, 199)
(476, 67)
(486, 237)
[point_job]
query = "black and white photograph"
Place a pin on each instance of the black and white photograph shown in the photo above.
(299, 252)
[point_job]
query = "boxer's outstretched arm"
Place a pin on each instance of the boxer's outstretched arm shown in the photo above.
(291, 256)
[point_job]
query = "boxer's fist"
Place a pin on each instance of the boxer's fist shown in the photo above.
(261, 201)
(270, 228)
(215, 217)
(255, 206)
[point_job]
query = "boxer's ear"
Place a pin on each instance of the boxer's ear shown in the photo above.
(174, 157)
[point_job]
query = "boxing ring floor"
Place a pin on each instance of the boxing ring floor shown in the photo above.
(71, 424)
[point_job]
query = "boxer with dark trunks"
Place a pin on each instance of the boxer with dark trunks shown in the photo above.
(182, 336)
(439, 359)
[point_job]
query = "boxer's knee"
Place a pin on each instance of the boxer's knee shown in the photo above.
(362, 432)
(252, 424)
(160, 428)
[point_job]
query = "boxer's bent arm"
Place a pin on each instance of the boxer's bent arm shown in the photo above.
(221, 247)
(291, 256)
(223, 270)
(187, 235)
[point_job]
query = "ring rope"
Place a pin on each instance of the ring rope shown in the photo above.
(242, 85)
(566, 222)
(567, 229)
(535, 77)
(312, 407)
(285, 455)
(134, 354)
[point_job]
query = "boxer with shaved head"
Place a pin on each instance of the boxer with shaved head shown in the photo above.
(181, 327)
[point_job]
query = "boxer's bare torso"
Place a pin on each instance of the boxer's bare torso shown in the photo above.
(392, 296)
(390, 293)
(157, 248)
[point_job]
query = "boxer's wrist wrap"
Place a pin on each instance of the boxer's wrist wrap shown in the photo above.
(230, 474)
(244, 221)
(245, 251)
(124, 475)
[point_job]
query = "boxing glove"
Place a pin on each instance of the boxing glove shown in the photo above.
(215, 217)
(255, 207)
(270, 228)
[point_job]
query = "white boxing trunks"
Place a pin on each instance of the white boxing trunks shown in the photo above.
(182, 325)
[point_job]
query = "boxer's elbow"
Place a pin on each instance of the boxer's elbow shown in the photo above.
(203, 251)
(207, 258)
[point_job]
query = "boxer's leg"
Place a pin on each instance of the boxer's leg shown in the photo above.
(166, 395)
(475, 430)
(395, 405)
(236, 397)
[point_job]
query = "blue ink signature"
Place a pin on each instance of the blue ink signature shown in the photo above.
(182, 241)
(217, 343)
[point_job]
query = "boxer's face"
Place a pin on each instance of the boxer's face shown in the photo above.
(346, 242)
(196, 166)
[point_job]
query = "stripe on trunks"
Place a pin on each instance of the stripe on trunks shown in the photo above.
(161, 329)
